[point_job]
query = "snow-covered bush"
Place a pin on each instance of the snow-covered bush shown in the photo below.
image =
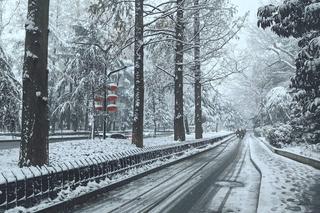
(262, 131)
(280, 135)
(277, 105)
(275, 108)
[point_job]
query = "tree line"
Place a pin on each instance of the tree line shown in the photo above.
(173, 47)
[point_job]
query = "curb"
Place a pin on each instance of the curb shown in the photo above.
(67, 205)
(299, 158)
(260, 172)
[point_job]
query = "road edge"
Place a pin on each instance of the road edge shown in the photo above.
(260, 172)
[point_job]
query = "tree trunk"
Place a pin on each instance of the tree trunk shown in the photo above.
(154, 116)
(34, 148)
(114, 126)
(179, 133)
(93, 126)
(105, 94)
(86, 118)
(197, 73)
(53, 124)
(137, 127)
(68, 116)
(186, 124)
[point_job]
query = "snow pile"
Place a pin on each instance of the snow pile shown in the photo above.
(287, 186)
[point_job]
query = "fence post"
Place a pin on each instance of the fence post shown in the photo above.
(48, 180)
(88, 163)
(33, 186)
(67, 171)
(79, 180)
(98, 167)
(16, 189)
(62, 183)
(41, 182)
(74, 175)
(25, 184)
(5, 178)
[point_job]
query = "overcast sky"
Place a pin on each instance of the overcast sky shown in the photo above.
(248, 5)
(244, 6)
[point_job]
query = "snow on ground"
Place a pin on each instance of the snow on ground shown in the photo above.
(69, 151)
(244, 199)
(306, 150)
(287, 186)
(8, 137)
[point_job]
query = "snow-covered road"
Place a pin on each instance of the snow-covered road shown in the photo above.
(287, 186)
(221, 180)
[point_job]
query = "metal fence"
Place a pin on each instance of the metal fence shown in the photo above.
(40, 183)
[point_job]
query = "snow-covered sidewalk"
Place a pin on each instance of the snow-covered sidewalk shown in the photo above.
(287, 186)
(69, 151)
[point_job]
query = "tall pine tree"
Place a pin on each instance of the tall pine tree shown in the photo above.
(138, 106)
(179, 132)
(35, 126)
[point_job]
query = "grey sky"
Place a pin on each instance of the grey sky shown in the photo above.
(244, 6)
(248, 5)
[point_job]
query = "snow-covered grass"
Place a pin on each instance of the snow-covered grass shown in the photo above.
(287, 186)
(69, 151)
